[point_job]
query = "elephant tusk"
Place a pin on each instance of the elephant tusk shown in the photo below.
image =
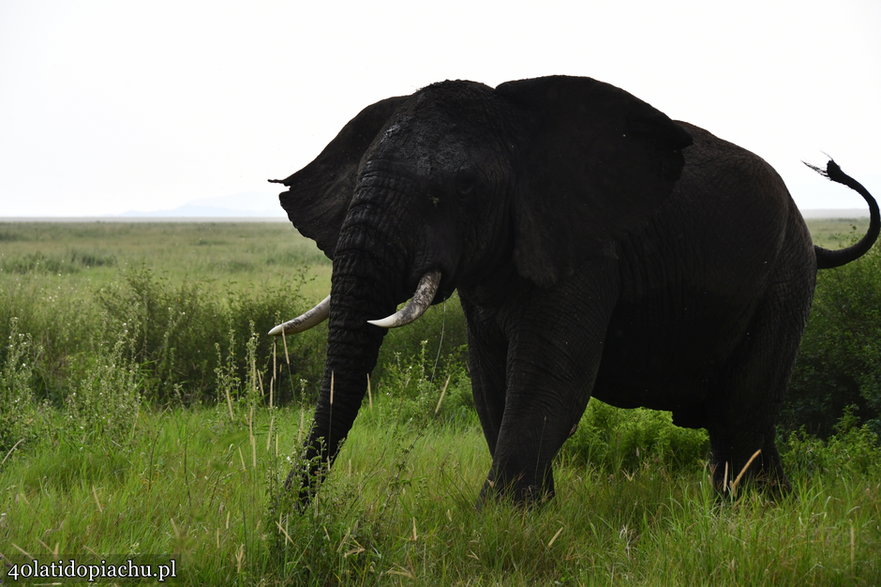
(417, 305)
(305, 321)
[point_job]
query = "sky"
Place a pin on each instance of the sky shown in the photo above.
(110, 106)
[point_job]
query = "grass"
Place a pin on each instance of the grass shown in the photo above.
(185, 294)
(135, 419)
(222, 256)
(837, 232)
(200, 486)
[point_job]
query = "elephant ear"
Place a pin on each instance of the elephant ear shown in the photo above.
(319, 194)
(597, 162)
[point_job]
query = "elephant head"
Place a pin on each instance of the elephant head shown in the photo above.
(460, 185)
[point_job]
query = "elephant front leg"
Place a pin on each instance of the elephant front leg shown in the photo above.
(544, 402)
(554, 354)
(522, 465)
(487, 357)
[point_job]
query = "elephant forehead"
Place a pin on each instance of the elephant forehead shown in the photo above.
(423, 145)
(444, 127)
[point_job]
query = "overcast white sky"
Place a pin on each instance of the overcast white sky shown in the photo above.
(110, 106)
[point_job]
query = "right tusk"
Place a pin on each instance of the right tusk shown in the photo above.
(305, 321)
(423, 297)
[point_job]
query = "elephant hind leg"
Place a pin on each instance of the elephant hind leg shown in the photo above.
(736, 462)
(751, 387)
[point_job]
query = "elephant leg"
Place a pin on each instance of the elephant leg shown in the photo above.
(746, 455)
(554, 352)
(487, 357)
(751, 390)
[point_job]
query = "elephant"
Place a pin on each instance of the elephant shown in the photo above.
(598, 248)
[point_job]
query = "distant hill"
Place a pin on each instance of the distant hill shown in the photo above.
(839, 213)
(244, 205)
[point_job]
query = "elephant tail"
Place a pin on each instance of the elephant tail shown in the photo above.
(827, 259)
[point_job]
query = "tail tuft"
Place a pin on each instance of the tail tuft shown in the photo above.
(832, 172)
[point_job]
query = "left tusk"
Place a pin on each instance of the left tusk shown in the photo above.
(423, 297)
(305, 321)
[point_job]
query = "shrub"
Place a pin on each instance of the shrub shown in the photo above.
(839, 362)
(612, 439)
(852, 449)
(19, 413)
(106, 398)
(59, 323)
(183, 333)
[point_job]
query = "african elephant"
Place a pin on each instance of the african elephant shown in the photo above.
(598, 248)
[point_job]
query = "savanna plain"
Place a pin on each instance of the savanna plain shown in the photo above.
(145, 414)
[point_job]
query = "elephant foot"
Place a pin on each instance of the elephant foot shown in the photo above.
(302, 483)
(524, 495)
(761, 472)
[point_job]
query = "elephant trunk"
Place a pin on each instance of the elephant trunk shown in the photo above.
(368, 278)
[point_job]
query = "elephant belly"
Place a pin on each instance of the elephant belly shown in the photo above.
(668, 356)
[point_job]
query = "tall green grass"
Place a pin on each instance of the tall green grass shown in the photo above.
(204, 486)
(238, 281)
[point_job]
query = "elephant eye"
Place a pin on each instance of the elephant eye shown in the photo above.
(466, 181)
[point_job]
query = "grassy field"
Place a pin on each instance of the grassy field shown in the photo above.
(133, 428)
(837, 232)
(219, 255)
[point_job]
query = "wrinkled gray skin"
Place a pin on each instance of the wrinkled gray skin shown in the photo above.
(598, 248)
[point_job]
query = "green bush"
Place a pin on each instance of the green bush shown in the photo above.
(182, 332)
(171, 329)
(839, 362)
(20, 418)
(852, 449)
(106, 398)
(612, 439)
(58, 321)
